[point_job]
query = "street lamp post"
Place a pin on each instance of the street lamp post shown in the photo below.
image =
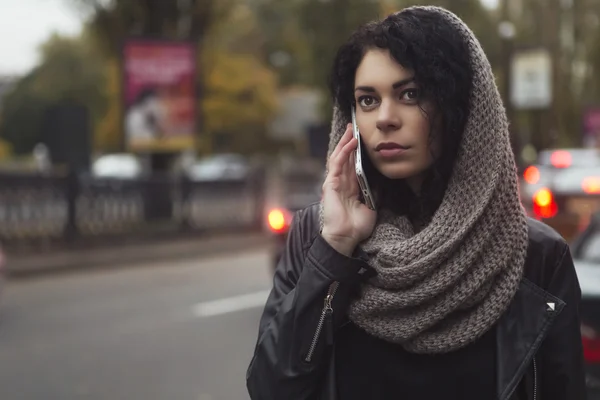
(507, 32)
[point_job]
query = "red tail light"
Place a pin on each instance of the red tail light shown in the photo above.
(544, 205)
(591, 344)
(279, 220)
(532, 175)
(561, 159)
(591, 185)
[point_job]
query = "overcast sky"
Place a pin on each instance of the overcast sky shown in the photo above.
(25, 24)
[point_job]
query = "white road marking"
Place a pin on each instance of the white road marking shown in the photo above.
(230, 304)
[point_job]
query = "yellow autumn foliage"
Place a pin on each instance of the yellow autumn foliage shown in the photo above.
(108, 129)
(239, 92)
(5, 149)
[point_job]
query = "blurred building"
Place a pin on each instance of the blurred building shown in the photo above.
(299, 114)
(298, 110)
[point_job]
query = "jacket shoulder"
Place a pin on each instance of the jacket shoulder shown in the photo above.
(546, 249)
(543, 238)
(308, 224)
(539, 232)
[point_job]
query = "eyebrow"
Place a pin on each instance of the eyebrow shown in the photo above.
(371, 89)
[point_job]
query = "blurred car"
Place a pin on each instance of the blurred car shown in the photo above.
(586, 255)
(219, 167)
(300, 188)
(117, 166)
(567, 158)
(563, 189)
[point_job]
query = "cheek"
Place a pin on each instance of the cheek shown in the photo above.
(367, 126)
(428, 149)
(420, 128)
(367, 123)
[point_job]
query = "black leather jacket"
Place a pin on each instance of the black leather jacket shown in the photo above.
(539, 350)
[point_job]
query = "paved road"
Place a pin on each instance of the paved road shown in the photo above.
(152, 332)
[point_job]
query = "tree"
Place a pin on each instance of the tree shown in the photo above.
(5, 149)
(107, 134)
(22, 115)
(240, 92)
(236, 91)
(69, 71)
(302, 37)
(115, 20)
(239, 102)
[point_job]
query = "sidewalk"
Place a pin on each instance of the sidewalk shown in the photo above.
(130, 254)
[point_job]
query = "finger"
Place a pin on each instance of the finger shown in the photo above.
(346, 166)
(351, 174)
(335, 156)
(342, 158)
(346, 137)
(343, 141)
(348, 149)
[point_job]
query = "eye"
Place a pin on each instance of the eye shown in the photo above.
(366, 101)
(410, 95)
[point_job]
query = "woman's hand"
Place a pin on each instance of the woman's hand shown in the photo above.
(346, 221)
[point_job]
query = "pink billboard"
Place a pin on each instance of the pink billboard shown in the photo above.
(591, 127)
(159, 80)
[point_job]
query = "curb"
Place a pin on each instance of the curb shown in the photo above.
(22, 266)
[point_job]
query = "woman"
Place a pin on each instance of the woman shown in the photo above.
(447, 291)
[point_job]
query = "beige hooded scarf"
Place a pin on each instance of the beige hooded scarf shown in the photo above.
(441, 288)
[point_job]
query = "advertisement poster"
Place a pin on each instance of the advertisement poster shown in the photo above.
(159, 96)
(591, 127)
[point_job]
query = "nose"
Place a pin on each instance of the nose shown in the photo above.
(387, 118)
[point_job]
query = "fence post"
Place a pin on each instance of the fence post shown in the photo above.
(185, 188)
(259, 186)
(72, 194)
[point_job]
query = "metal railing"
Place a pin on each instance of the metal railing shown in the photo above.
(38, 210)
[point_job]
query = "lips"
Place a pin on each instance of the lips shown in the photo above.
(390, 146)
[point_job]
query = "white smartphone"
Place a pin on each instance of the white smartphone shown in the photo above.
(366, 195)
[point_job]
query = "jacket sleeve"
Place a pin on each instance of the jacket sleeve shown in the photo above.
(563, 375)
(288, 325)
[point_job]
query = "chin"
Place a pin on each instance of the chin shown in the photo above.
(400, 170)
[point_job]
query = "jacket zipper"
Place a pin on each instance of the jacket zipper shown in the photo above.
(520, 370)
(534, 379)
(327, 311)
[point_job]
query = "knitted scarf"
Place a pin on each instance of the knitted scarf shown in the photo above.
(442, 287)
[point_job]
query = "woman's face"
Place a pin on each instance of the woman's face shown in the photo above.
(394, 128)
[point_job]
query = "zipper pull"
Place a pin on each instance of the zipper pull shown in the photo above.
(328, 320)
(327, 307)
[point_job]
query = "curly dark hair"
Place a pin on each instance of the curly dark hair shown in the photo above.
(439, 56)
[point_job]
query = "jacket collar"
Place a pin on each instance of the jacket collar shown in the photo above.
(520, 333)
